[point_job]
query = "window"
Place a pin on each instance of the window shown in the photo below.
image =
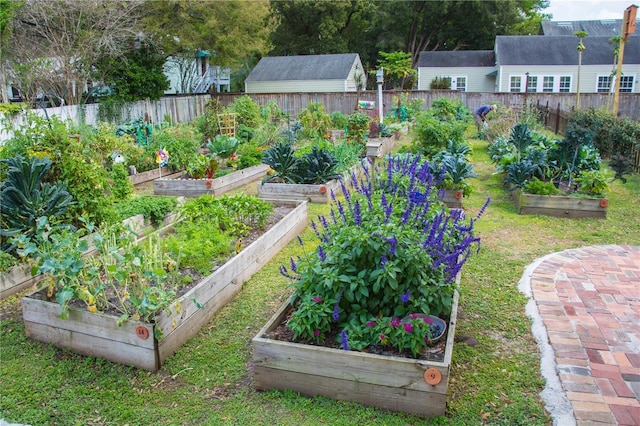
(533, 84)
(565, 84)
(547, 84)
(604, 84)
(626, 84)
(516, 84)
(459, 84)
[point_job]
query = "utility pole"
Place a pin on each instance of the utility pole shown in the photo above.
(628, 28)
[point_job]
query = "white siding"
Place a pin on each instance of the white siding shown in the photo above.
(588, 76)
(290, 86)
(476, 77)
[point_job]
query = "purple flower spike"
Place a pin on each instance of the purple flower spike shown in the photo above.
(345, 341)
(300, 240)
(383, 261)
(294, 267)
(336, 311)
(405, 297)
(321, 253)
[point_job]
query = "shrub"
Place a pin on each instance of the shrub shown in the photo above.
(357, 127)
(248, 112)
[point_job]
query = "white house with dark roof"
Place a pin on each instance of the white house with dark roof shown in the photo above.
(540, 63)
(469, 70)
(306, 73)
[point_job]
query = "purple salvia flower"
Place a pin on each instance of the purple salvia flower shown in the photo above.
(406, 296)
(383, 261)
(393, 243)
(344, 340)
(333, 216)
(336, 311)
(321, 254)
(388, 212)
(294, 267)
(356, 213)
(407, 214)
(314, 226)
(323, 221)
(341, 211)
(300, 241)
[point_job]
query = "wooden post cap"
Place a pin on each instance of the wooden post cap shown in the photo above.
(432, 376)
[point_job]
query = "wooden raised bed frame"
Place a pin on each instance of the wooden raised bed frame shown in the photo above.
(559, 205)
(133, 343)
(217, 186)
(394, 383)
(453, 198)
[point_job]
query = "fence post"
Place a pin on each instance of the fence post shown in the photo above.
(557, 118)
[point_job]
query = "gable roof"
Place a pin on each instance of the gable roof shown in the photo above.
(601, 28)
(561, 50)
(304, 67)
(457, 58)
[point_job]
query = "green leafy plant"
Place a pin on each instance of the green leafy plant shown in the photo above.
(153, 208)
(357, 127)
(518, 174)
(387, 254)
(25, 196)
(317, 166)
(593, 182)
(538, 187)
(283, 161)
(621, 165)
(316, 123)
(456, 172)
(122, 187)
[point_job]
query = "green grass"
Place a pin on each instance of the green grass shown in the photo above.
(208, 381)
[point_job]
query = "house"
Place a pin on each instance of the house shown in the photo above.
(307, 73)
(469, 70)
(195, 75)
(539, 63)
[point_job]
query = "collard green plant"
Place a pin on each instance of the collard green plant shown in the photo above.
(25, 196)
(317, 166)
(521, 138)
(283, 161)
(621, 165)
(518, 174)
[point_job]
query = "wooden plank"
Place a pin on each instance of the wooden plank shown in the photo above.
(16, 279)
(95, 324)
(95, 346)
(150, 175)
(560, 206)
(453, 198)
(198, 187)
(237, 179)
(395, 399)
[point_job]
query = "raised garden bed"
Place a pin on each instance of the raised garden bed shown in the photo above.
(195, 187)
(148, 176)
(453, 198)
(133, 343)
(19, 277)
(559, 205)
(417, 386)
(379, 147)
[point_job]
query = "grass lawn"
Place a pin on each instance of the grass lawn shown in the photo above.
(495, 373)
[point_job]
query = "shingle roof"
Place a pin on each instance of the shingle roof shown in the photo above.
(561, 50)
(602, 28)
(457, 58)
(303, 67)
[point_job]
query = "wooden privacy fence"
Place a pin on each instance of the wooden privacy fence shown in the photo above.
(183, 109)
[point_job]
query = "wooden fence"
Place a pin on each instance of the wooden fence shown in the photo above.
(182, 109)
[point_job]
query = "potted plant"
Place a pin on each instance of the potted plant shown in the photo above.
(455, 168)
(357, 325)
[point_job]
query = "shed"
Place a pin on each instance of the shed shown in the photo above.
(306, 73)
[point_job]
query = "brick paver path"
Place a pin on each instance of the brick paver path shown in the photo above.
(589, 303)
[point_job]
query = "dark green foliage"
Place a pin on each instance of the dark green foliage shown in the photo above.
(152, 208)
(25, 196)
(317, 166)
(138, 129)
(610, 134)
(440, 83)
(518, 174)
(521, 138)
(247, 111)
(182, 142)
(440, 125)
(283, 161)
(457, 169)
(621, 165)
(223, 146)
(316, 123)
(339, 120)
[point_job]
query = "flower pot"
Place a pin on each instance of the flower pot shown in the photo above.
(559, 205)
(134, 343)
(196, 187)
(408, 385)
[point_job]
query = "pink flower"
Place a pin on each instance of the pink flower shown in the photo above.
(382, 337)
(371, 323)
(317, 299)
(427, 320)
(408, 327)
(316, 333)
(395, 322)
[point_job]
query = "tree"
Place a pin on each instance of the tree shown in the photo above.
(397, 65)
(68, 37)
(230, 31)
(8, 10)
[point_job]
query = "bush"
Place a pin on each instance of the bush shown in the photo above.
(248, 112)
(611, 135)
(181, 142)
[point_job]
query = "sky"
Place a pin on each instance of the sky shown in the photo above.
(586, 10)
